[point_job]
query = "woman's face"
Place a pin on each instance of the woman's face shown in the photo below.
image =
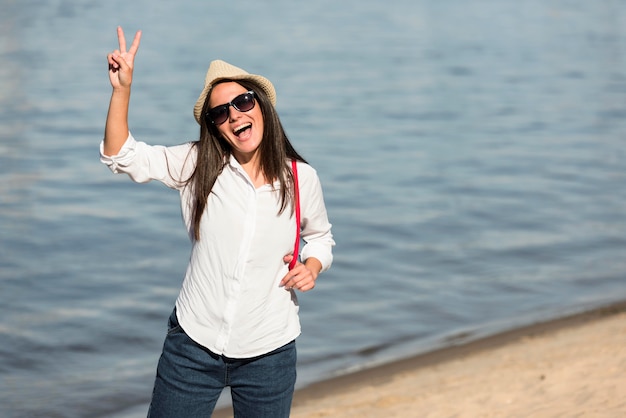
(243, 130)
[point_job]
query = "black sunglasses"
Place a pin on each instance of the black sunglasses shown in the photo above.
(219, 114)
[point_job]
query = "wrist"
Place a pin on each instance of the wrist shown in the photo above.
(121, 90)
(314, 266)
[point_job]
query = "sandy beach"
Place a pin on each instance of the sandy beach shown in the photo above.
(570, 367)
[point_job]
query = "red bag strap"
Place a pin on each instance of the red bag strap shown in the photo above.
(296, 192)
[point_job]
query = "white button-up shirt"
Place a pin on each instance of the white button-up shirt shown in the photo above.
(230, 301)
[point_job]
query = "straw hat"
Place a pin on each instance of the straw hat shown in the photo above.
(221, 70)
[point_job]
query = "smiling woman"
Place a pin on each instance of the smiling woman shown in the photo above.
(236, 317)
(244, 130)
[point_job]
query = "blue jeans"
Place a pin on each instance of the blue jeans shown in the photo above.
(191, 378)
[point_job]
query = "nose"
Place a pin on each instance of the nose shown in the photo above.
(233, 113)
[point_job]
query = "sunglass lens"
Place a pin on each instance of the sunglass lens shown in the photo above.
(244, 102)
(219, 114)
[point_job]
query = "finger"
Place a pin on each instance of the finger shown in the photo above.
(290, 280)
(284, 281)
(121, 39)
(135, 45)
(302, 282)
(111, 59)
(305, 286)
(287, 281)
(118, 61)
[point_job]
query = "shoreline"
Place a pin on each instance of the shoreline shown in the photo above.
(310, 400)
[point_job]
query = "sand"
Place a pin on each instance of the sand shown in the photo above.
(571, 367)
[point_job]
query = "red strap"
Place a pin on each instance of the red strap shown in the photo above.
(296, 191)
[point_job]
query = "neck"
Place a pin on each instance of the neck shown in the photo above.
(250, 164)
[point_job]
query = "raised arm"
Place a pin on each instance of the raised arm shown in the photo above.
(121, 64)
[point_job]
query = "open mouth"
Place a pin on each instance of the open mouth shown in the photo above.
(241, 129)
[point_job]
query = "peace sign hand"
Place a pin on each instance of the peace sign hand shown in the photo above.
(121, 61)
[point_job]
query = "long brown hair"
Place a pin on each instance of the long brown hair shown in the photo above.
(213, 153)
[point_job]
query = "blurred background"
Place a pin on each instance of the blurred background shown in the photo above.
(472, 156)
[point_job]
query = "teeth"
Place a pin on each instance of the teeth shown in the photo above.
(239, 129)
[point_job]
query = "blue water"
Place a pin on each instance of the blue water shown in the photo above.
(472, 156)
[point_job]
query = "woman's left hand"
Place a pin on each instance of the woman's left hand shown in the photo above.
(302, 277)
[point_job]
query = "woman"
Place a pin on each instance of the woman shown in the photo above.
(236, 316)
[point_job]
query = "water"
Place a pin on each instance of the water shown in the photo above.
(471, 153)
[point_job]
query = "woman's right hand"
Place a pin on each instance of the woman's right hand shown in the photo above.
(121, 61)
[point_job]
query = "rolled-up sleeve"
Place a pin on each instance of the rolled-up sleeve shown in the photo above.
(142, 162)
(316, 229)
(124, 158)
